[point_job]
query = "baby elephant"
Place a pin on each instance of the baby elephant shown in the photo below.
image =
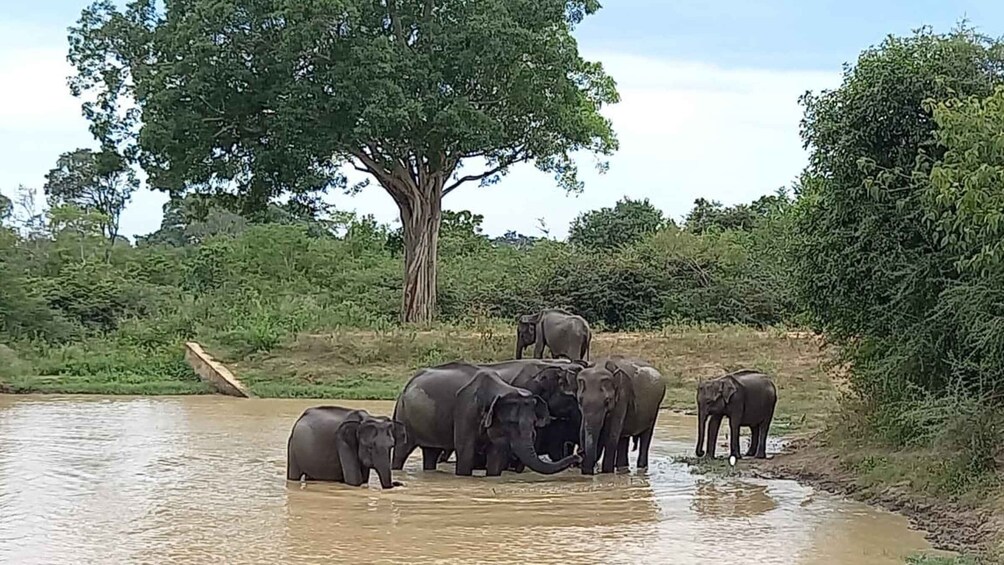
(331, 443)
(747, 397)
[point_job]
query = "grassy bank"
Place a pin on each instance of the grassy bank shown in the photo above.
(369, 365)
(375, 365)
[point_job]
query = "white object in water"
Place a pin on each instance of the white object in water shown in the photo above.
(732, 460)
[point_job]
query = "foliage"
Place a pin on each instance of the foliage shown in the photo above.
(894, 248)
(249, 286)
(100, 182)
(866, 263)
(267, 99)
(712, 215)
(608, 228)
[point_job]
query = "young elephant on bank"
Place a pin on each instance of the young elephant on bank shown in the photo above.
(748, 398)
(564, 333)
(331, 443)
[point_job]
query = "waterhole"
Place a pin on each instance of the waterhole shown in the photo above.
(202, 480)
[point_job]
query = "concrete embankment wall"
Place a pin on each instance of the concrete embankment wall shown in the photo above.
(213, 372)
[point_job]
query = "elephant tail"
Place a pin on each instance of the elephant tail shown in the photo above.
(635, 443)
(584, 352)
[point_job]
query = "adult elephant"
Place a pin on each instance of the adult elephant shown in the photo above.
(748, 398)
(619, 399)
(565, 334)
(554, 381)
(469, 409)
(331, 443)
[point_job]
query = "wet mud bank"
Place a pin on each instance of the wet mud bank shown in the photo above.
(947, 525)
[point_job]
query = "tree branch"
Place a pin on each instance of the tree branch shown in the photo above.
(395, 21)
(505, 163)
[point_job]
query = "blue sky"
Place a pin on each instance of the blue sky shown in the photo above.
(709, 103)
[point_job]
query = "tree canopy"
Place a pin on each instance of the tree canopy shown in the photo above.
(867, 262)
(270, 98)
(94, 181)
(608, 228)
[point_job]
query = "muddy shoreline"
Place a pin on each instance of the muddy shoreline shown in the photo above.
(948, 526)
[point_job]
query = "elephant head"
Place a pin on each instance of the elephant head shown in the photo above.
(597, 394)
(510, 419)
(365, 442)
(713, 397)
(556, 385)
(526, 332)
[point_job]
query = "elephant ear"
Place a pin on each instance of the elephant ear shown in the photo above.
(729, 388)
(400, 434)
(543, 415)
(348, 431)
(486, 422)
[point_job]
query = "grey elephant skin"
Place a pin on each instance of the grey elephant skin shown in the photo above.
(331, 443)
(747, 398)
(471, 410)
(554, 381)
(565, 334)
(619, 398)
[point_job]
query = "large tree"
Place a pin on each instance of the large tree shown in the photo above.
(866, 263)
(94, 181)
(265, 98)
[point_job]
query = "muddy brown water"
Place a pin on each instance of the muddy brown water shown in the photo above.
(202, 480)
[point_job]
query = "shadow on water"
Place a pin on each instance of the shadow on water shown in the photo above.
(202, 480)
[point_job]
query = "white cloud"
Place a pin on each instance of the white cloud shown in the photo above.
(686, 129)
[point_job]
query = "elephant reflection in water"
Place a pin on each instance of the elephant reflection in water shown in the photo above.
(731, 500)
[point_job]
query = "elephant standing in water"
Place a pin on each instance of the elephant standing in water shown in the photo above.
(331, 443)
(564, 333)
(469, 409)
(553, 380)
(619, 399)
(748, 398)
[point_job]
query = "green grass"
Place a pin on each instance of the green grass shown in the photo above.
(371, 365)
(375, 365)
(103, 384)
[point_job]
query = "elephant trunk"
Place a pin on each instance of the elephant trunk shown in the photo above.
(527, 454)
(519, 347)
(589, 439)
(702, 424)
(383, 471)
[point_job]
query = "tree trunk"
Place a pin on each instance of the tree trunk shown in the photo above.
(420, 219)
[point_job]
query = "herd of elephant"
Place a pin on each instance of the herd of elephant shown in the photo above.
(510, 415)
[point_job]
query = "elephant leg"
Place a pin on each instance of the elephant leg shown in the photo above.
(754, 434)
(466, 458)
(401, 453)
(622, 453)
(430, 458)
(293, 472)
(761, 450)
(644, 441)
(713, 424)
(516, 466)
(610, 448)
(497, 461)
(734, 437)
